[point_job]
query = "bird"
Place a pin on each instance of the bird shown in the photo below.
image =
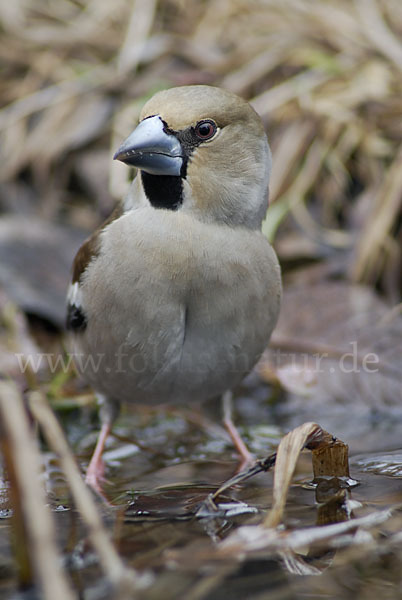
(174, 298)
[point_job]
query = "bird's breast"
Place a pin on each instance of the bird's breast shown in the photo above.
(178, 308)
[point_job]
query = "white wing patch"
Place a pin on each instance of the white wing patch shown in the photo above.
(74, 294)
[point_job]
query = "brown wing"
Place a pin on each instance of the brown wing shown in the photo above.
(90, 248)
(76, 319)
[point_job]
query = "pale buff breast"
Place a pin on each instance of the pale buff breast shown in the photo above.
(193, 311)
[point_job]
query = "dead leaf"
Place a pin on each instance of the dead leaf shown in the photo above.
(36, 264)
(337, 351)
(287, 455)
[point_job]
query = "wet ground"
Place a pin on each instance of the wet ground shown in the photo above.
(162, 465)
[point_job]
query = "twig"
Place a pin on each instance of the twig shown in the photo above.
(260, 466)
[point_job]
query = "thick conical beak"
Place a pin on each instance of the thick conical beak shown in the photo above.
(151, 149)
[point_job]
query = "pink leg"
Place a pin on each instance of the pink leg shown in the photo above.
(95, 470)
(244, 453)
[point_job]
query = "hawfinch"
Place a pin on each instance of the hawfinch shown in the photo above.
(175, 297)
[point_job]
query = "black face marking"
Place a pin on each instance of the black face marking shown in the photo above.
(75, 320)
(188, 139)
(166, 191)
(163, 191)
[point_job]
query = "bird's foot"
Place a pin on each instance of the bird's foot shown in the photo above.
(94, 476)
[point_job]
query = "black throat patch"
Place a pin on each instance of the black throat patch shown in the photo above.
(163, 191)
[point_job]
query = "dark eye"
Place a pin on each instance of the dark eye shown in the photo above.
(205, 129)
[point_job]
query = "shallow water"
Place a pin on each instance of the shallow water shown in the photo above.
(162, 527)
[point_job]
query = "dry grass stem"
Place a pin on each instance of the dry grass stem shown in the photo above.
(24, 462)
(113, 567)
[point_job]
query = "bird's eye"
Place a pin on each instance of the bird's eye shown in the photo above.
(205, 129)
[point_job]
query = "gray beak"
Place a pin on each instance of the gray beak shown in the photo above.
(151, 149)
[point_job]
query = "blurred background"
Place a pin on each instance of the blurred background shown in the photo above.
(325, 76)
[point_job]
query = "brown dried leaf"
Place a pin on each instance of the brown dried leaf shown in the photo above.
(36, 264)
(287, 455)
(336, 350)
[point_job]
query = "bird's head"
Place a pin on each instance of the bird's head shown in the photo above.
(202, 149)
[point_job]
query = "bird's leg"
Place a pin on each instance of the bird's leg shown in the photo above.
(244, 453)
(109, 410)
(96, 467)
